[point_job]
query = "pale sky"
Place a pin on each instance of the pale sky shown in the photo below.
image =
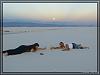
(51, 11)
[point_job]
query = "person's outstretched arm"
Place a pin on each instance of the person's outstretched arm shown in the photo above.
(32, 50)
(54, 48)
(41, 48)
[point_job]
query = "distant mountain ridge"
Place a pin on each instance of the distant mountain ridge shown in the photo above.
(17, 22)
(30, 24)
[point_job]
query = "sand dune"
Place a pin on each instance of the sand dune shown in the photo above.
(55, 60)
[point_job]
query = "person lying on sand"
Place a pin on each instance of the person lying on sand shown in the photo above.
(69, 46)
(22, 49)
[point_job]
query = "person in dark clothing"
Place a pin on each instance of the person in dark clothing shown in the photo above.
(23, 48)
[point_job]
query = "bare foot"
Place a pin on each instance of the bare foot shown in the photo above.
(5, 54)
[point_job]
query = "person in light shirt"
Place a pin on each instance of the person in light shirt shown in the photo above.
(69, 46)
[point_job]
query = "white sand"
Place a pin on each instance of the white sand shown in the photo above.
(52, 61)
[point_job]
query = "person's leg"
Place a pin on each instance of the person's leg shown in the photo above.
(75, 46)
(84, 47)
(79, 46)
(18, 50)
(6, 52)
(15, 52)
(12, 52)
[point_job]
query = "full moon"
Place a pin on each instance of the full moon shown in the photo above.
(53, 19)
